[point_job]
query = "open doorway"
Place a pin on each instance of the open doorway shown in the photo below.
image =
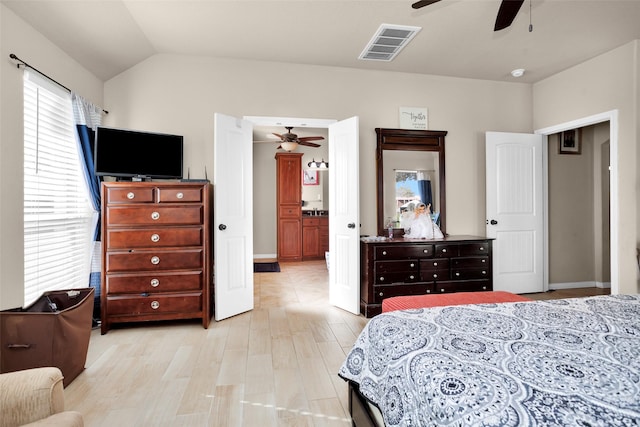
(610, 117)
(315, 196)
(579, 209)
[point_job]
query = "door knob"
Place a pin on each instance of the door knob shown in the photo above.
(222, 227)
(494, 222)
(351, 225)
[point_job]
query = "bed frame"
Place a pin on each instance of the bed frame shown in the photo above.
(359, 409)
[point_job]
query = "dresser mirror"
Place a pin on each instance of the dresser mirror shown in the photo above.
(409, 166)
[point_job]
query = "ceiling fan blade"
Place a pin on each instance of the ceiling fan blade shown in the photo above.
(278, 135)
(423, 3)
(309, 144)
(507, 13)
(311, 138)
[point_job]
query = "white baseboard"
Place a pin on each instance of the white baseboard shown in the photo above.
(573, 285)
(263, 256)
(603, 285)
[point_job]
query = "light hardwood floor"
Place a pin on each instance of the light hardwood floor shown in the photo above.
(273, 366)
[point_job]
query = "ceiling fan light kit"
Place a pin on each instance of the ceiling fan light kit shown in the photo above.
(289, 146)
(289, 141)
(518, 72)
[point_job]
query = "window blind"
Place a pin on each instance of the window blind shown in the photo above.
(58, 216)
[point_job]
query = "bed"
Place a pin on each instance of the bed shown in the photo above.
(554, 363)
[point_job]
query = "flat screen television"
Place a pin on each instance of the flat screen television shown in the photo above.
(130, 154)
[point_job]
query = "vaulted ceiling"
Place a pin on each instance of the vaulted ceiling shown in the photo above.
(457, 39)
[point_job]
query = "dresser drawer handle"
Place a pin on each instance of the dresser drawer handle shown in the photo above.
(381, 278)
(155, 237)
(482, 248)
(155, 305)
(435, 276)
(411, 277)
(155, 260)
(444, 251)
(484, 288)
(155, 215)
(381, 294)
(412, 265)
(442, 290)
(426, 251)
(457, 274)
(428, 291)
(484, 272)
(384, 252)
(131, 195)
(484, 260)
(155, 283)
(435, 264)
(180, 195)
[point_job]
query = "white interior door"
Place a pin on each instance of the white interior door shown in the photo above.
(515, 211)
(344, 216)
(233, 216)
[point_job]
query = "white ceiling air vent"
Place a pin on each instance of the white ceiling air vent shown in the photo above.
(387, 42)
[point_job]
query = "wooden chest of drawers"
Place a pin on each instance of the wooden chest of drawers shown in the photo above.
(401, 266)
(156, 260)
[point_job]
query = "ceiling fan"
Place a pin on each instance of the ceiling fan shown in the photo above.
(289, 141)
(506, 14)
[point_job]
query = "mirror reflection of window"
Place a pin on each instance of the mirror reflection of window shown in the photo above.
(405, 181)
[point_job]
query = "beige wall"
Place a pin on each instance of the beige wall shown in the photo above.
(19, 38)
(607, 82)
(180, 94)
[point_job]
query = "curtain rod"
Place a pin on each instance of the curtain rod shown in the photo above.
(15, 58)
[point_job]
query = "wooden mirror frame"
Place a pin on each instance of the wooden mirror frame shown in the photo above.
(409, 140)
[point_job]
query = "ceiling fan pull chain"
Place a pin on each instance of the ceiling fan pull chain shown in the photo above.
(530, 18)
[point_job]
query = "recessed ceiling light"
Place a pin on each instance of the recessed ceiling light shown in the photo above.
(519, 72)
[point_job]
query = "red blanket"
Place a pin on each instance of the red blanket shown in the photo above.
(457, 298)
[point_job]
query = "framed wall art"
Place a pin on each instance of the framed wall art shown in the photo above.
(570, 142)
(310, 177)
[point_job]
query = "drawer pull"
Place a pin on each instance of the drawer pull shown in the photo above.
(484, 272)
(411, 277)
(484, 260)
(155, 260)
(381, 294)
(155, 237)
(155, 305)
(428, 291)
(442, 290)
(484, 288)
(180, 195)
(412, 265)
(426, 251)
(435, 276)
(444, 251)
(482, 248)
(155, 215)
(155, 283)
(457, 274)
(435, 264)
(131, 195)
(382, 278)
(384, 252)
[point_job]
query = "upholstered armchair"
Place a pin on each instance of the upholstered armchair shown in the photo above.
(35, 397)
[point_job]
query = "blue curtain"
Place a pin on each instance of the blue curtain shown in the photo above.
(87, 117)
(424, 190)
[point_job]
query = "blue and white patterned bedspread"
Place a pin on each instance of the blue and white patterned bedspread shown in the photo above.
(571, 362)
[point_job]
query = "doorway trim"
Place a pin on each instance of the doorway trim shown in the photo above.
(612, 117)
